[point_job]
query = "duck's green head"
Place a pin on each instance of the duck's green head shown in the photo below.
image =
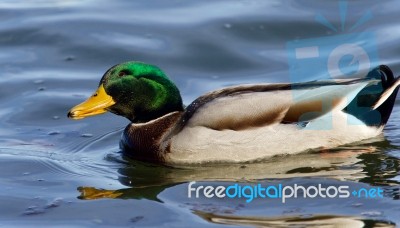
(135, 90)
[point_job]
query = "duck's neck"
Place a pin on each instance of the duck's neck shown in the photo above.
(150, 141)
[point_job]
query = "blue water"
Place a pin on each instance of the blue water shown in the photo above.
(55, 171)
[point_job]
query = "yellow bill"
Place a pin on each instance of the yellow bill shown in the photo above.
(95, 105)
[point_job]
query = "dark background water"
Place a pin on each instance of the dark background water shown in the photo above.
(56, 171)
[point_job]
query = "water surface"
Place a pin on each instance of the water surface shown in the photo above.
(56, 171)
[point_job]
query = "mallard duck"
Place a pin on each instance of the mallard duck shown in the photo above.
(241, 123)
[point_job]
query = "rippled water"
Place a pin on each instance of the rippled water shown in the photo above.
(55, 171)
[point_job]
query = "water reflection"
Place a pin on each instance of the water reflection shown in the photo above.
(365, 163)
(295, 221)
(149, 193)
(356, 166)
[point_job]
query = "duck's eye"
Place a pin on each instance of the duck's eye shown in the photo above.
(122, 73)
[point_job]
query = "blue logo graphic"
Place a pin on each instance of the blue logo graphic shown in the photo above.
(342, 56)
(250, 192)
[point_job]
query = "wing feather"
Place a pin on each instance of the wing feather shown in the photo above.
(243, 107)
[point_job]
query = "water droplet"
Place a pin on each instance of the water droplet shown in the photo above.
(42, 88)
(26, 173)
(40, 180)
(227, 25)
(54, 133)
(56, 117)
(86, 135)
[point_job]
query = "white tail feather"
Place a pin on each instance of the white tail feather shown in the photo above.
(386, 94)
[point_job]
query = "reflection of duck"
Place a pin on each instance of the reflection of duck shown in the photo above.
(292, 220)
(350, 163)
(149, 193)
(241, 123)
